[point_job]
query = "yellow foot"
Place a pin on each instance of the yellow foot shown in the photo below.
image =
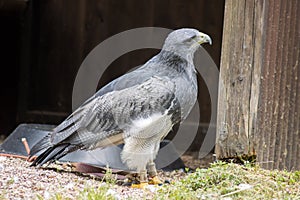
(142, 185)
(155, 181)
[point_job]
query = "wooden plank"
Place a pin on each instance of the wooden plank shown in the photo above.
(259, 92)
(278, 118)
(12, 5)
(258, 34)
(237, 70)
(53, 49)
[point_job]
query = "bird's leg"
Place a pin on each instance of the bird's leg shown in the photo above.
(143, 180)
(143, 176)
(152, 169)
(153, 179)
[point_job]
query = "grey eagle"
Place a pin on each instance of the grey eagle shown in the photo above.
(138, 109)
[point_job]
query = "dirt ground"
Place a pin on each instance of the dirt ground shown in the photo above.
(19, 181)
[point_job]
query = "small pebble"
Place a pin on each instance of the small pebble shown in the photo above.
(70, 186)
(244, 186)
(111, 192)
(152, 188)
(227, 198)
(16, 179)
(1, 167)
(2, 158)
(47, 195)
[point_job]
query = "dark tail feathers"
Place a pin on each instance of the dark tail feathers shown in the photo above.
(49, 152)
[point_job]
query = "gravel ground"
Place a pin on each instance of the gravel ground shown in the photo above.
(19, 181)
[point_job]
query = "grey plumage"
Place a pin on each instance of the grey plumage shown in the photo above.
(138, 108)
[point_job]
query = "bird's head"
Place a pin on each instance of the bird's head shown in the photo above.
(185, 41)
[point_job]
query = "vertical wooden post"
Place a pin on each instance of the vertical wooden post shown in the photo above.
(239, 77)
(258, 106)
(277, 134)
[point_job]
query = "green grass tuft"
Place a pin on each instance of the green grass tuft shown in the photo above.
(235, 182)
(96, 194)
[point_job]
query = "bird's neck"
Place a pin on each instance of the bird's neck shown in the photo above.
(172, 53)
(173, 60)
(174, 57)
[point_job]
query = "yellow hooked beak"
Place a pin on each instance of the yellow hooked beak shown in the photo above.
(204, 38)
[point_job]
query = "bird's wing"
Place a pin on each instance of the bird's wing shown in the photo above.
(127, 80)
(109, 115)
(118, 111)
(133, 78)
